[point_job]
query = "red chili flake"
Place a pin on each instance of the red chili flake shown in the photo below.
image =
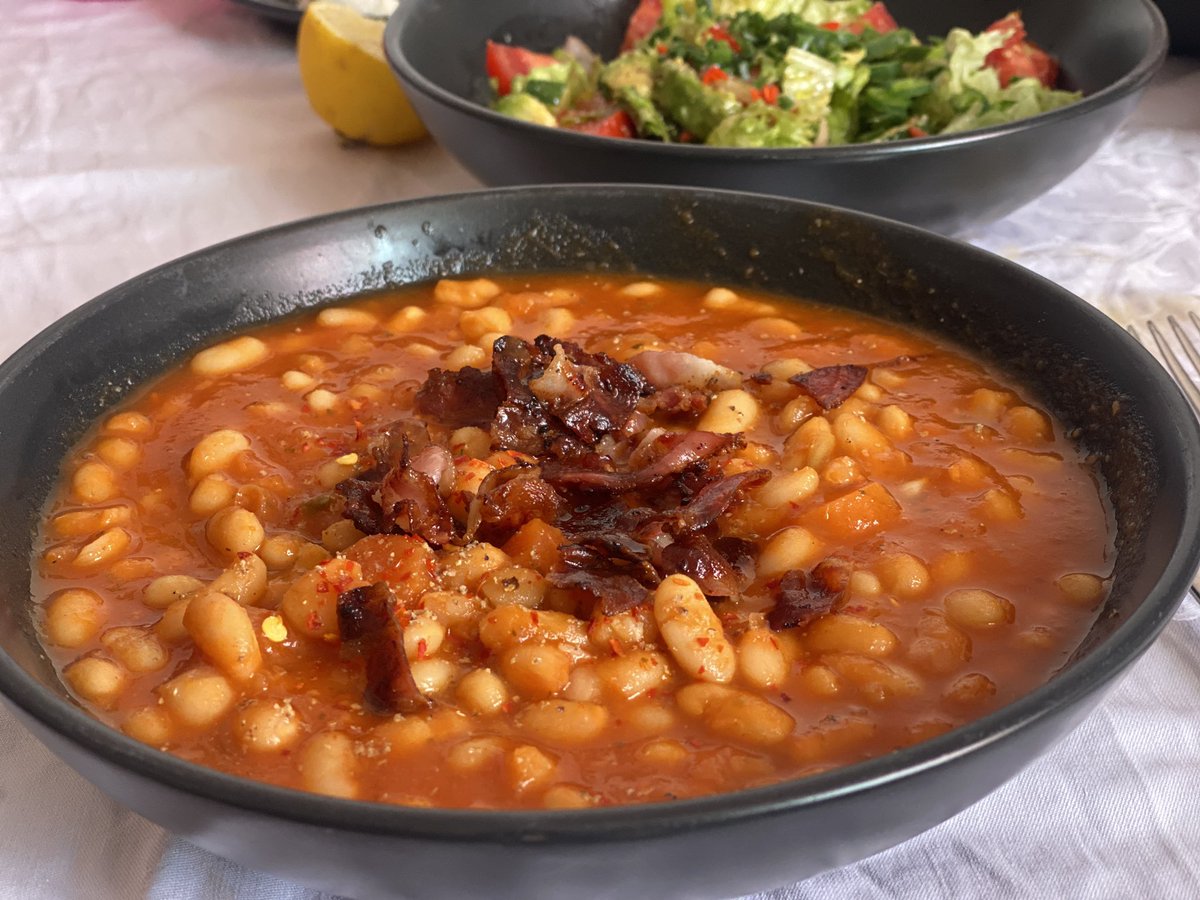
(662, 49)
(305, 408)
(506, 707)
(244, 554)
(359, 431)
(703, 641)
(714, 75)
(686, 137)
(770, 94)
(313, 621)
(700, 671)
(785, 697)
(651, 693)
(422, 648)
(322, 587)
(533, 617)
(615, 647)
(830, 26)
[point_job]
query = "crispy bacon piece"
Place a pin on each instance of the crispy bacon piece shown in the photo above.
(675, 402)
(608, 390)
(412, 505)
(550, 397)
(673, 368)
(741, 556)
(522, 421)
(614, 591)
(362, 611)
(360, 506)
(695, 447)
(398, 441)
(467, 397)
(402, 499)
(804, 596)
(714, 498)
(434, 461)
(367, 617)
(830, 386)
(695, 556)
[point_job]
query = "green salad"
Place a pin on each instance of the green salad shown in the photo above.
(779, 73)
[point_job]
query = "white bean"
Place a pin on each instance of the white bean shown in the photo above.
(692, 631)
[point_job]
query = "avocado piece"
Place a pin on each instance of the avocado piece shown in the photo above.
(694, 106)
(527, 108)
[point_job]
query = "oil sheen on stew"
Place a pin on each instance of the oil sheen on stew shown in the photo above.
(565, 542)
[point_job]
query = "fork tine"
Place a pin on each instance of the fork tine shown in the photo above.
(1186, 342)
(1168, 357)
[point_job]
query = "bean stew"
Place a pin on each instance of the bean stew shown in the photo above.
(566, 541)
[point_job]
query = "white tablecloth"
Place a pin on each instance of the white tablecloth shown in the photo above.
(134, 132)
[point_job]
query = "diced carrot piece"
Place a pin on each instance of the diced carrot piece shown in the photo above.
(862, 512)
(535, 545)
(405, 562)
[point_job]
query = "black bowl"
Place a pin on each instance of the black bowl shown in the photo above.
(1109, 49)
(1183, 21)
(1085, 368)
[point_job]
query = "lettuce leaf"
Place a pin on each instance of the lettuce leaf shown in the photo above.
(967, 94)
(1022, 98)
(760, 125)
(808, 81)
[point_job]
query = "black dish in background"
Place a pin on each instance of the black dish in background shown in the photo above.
(1109, 49)
(281, 12)
(1183, 22)
(1078, 362)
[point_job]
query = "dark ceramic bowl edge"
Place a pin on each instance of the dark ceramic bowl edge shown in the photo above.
(1129, 641)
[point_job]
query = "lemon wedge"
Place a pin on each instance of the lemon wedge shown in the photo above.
(347, 79)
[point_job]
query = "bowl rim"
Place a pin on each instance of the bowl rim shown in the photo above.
(624, 822)
(1132, 82)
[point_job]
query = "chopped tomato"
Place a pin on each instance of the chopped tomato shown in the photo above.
(917, 131)
(720, 33)
(877, 18)
(1017, 58)
(830, 26)
(643, 21)
(713, 75)
(1012, 22)
(618, 125)
(1023, 61)
(505, 62)
(770, 94)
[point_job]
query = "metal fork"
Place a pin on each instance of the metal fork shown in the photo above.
(1189, 382)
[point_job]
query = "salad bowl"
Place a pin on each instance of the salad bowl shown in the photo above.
(1108, 50)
